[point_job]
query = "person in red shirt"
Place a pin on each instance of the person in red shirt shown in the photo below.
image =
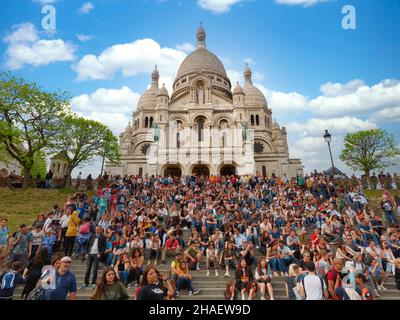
(334, 280)
(314, 238)
(170, 248)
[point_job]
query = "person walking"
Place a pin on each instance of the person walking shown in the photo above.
(97, 247)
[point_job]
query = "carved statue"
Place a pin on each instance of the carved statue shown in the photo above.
(156, 132)
(245, 127)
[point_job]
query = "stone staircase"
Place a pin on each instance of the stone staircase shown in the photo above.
(211, 287)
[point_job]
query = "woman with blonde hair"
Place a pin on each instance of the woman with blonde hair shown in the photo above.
(293, 282)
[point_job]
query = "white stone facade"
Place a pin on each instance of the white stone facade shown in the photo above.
(204, 126)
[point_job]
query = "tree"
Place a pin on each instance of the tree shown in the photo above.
(30, 120)
(4, 156)
(110, 150)
(39, 165)
(84, 140)
(369, 150)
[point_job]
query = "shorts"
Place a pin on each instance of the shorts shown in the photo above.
(3, 250)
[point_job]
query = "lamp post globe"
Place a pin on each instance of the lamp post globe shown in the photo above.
(327, 136)
(328, 139)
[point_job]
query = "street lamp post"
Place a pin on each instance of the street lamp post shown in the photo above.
(328, 139)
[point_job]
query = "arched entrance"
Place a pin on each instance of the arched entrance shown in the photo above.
(201, 170)
(173, 171)
(264, 171)
(228, 170)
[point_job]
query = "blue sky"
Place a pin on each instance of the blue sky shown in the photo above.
(315, 74)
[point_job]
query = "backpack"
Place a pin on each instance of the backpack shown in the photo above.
(36, 294)
(8, 281)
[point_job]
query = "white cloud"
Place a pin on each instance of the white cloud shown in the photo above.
(84, 37)
(86, 8)
(25, 48)
(112, 107)
(305, 3)
(217, 6)
(131, 59)
(185, 47)
(306, 140)
(347, 100)
(284, 102)
(337, 89)
(387, 114)
(315, 127)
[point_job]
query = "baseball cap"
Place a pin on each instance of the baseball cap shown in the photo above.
(66, 259)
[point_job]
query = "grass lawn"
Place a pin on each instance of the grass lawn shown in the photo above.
(22, 206)
(374, 198)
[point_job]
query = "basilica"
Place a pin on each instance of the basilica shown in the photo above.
(203, 126)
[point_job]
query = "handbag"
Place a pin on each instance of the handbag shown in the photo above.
(36, 294)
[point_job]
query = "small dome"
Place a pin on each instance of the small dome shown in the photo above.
(163, 91)
(128, 128)
(254, 96)
(238, 89)
(148, 99)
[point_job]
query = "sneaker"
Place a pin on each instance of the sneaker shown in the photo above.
(216, 273)
(84, 286)
(243, 297)
(129, 286)
(163, 263)
(185, 228)
(208, 273)
(286, 274)
(383, 288)
(196, 291)
(149, 262)
(262, 298)
(275, 274)
(378, 287)
(190, 293)
(227, 274)
(272, 298)
(155, 262)
(198, 268)
(94, 285)
(176, 294)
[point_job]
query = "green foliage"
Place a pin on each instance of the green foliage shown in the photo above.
(30, 119)
(369, 150)
(84, 140)
(39, 166)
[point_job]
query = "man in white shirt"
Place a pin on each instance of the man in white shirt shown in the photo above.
(313, 287)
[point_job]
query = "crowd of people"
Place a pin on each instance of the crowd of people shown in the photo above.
(321, 237)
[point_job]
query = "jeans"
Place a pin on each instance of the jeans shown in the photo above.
(390, 217)
(366, 237)
(277, 265)
(93, 261)
(210, 228)
(184, 283)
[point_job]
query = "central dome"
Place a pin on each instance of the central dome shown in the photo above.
(201, 59)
